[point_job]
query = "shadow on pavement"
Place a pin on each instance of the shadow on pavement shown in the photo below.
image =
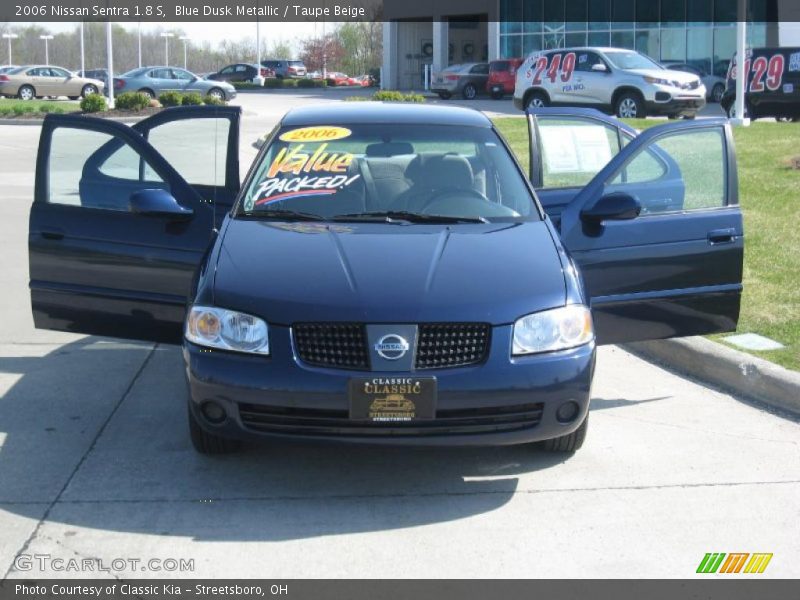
(100, 425)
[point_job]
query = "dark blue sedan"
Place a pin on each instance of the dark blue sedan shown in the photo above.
(386, 273)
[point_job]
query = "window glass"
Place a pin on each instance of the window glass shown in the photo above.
(182, 75)
(196, 148)
(680, 171)
(227, 70)
(161, 74)
(574, 150)
(586, 60)
(79, 175)
(461, 172)
(482, 69)
(241, 68)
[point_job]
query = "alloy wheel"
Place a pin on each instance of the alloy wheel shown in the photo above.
(628, 108)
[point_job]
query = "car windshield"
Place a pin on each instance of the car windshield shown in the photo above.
(295, 63)
(417, 173)
(631, 60)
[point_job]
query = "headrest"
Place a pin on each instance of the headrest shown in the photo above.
(446, 171)
(389, 149)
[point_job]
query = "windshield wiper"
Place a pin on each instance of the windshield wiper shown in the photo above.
(412, 217)
(284, 215)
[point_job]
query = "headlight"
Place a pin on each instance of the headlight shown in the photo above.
(551, 330)
(658, 81)
(227, 330)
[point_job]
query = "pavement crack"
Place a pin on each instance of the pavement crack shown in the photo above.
(34, 534)
(698, 430)
(297, 497)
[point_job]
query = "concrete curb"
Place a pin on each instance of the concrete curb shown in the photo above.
(734, 371)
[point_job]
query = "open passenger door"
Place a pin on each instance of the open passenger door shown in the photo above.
(652, 220)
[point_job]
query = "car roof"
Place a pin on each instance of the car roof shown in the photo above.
(384, 112)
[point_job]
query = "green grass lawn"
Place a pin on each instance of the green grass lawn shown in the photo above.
(16, 108)
(769, 192)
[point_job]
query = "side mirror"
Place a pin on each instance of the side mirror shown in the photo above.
(617, 206)
(599, 67)
(158, 203)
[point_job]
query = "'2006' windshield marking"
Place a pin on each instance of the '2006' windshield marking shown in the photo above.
(305, 166)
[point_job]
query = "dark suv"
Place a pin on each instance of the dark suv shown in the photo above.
(285, 68)
(773, 84)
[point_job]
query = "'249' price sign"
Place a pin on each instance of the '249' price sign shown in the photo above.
(559, 68)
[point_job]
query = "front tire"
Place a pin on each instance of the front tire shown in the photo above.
(469, 92)
(630, 106)
(26, 92)
(217, 94)
(497, 95)
(445, 95)
(88, 89)
(208, 443)
(717, 92)
(568, 443)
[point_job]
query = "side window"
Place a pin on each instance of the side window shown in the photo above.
(227, 70)
(196, 148)
(574, 150)
(241, 68)
(480, 70)
(161, 74)
(94, 169)
(677, 172)
(586, 60)
(182, 75)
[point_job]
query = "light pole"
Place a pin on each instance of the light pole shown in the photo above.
(184, 39)
(83, 60)
(166, 36)
(9, 37)
(140, 44)
(46, 39)
(110, 60)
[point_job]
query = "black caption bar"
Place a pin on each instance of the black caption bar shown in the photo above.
(76, 589)
(592, 11)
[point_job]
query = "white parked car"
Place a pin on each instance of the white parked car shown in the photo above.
(625, 82)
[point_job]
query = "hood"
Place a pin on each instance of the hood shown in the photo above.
(378, 273)
(667, 74)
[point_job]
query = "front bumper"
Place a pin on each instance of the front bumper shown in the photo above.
(501, 401)
(663, 100)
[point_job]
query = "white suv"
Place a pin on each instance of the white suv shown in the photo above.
(623, 81)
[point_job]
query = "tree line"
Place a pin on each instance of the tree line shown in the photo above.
(354, 48)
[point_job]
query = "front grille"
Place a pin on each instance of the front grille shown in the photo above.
(345, 345)
(338, 345)
(442, 345)
(321, 422)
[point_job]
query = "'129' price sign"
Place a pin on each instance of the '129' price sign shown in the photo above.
(764, 72)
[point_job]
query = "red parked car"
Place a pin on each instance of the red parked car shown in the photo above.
(502, 76)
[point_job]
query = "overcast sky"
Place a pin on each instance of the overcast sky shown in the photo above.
(216, 32)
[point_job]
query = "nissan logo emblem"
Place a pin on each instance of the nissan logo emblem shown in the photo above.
(392, 347)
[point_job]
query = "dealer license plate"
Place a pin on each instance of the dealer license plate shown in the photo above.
(392, 399)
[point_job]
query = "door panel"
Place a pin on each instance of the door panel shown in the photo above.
(676, 269)
(202, 144)
(96, 267)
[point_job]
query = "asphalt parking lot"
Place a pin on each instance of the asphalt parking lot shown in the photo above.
(96, 463)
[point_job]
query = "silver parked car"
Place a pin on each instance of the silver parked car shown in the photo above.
(627, 83)
(715, 85)
(467, 79)
(154, 81)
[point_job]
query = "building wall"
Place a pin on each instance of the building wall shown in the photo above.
(700, 32)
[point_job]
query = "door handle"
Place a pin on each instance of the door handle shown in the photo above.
(721, 236)
(53, 234)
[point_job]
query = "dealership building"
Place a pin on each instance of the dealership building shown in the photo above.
(700, 32)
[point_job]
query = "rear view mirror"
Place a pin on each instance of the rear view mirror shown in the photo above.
(158, 203)
(617, 206)
(600, 67)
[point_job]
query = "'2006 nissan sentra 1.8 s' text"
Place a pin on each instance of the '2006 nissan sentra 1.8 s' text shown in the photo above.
(386, 273)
